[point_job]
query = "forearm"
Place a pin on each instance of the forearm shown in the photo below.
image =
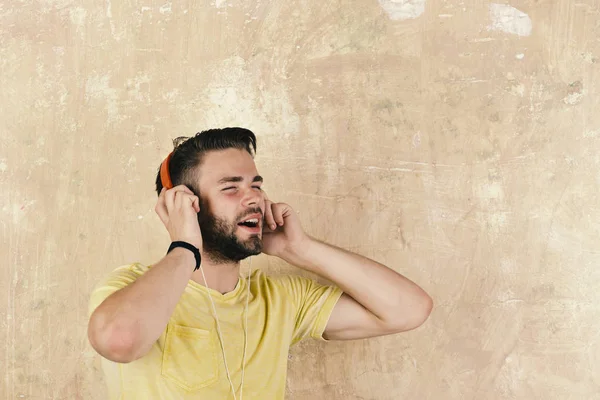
(128, 322)
(384, 292)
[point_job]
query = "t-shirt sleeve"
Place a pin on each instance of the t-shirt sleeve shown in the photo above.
(113, 281)
(314, 304)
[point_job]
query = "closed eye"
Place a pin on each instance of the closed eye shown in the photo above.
(235, 187)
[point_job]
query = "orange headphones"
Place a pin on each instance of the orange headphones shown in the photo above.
(165, 177)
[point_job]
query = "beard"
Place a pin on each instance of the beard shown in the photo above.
(220, 242)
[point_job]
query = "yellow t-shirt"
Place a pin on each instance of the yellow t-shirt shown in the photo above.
(186, 362)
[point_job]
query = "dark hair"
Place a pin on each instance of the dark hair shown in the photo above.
(189, 152)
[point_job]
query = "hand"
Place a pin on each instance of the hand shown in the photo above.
(282, 233)
(178, 210)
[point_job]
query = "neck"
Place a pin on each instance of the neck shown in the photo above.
(220, 276)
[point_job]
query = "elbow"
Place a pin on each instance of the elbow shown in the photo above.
(422, 311)
(417, 314)
(426, 309)
(110, 342)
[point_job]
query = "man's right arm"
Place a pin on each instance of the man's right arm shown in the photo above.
(127, 323)
(124, 327)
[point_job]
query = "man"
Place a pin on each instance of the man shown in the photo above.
(190, 327)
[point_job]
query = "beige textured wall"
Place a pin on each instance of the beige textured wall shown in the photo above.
(456, 141)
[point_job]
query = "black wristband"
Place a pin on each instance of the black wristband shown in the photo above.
(188, 246)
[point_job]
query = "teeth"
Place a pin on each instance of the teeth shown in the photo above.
(254, 220)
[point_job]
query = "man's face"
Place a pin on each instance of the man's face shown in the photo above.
(230, 191)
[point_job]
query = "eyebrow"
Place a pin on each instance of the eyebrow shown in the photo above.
(228, 179)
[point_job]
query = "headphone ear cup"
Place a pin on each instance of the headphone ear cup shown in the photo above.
(165, 176)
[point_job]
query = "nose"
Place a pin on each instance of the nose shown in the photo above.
(253, 198)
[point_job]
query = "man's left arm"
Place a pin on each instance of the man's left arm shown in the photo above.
(376, 301)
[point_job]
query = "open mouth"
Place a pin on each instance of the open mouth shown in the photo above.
(252, 224)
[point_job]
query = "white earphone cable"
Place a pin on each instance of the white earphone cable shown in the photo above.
(221, 336)
(245, 331)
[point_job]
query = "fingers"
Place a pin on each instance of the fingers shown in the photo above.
(196, 203)
(169, 198)
(171, 195)
(161, 207)
(278, 210)
(269, 219)
(268, 214)
(177, 197)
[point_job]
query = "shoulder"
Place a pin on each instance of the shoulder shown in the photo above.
(276, 282)
(280, 279)
(292, 285)
(293, 280)
(123, 274)
(115, 279)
